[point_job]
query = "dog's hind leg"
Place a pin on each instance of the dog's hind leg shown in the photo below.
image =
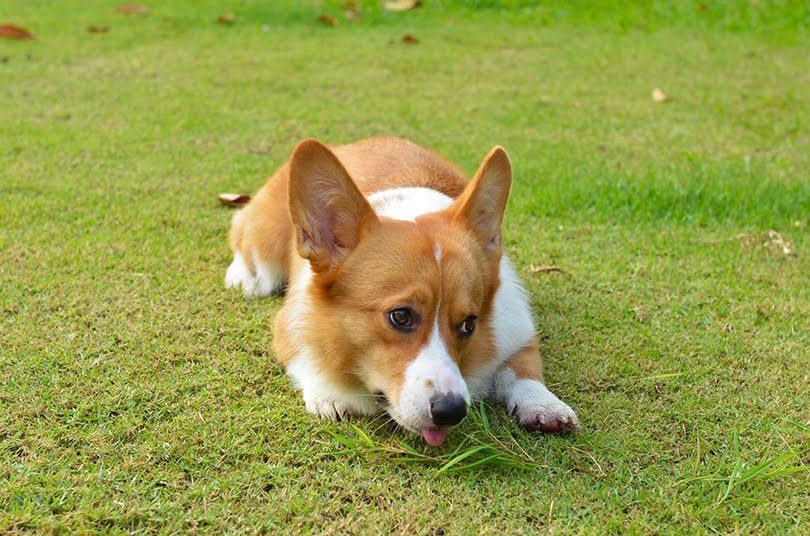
(260, 238)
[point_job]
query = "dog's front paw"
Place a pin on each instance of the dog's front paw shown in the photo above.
(537, 409)
(549, 419)
(341, 408)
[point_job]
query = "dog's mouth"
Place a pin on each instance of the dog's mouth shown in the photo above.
(434, 436)
(431, 420)
(381, 398)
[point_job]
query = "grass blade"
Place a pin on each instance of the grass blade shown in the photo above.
(461, 457)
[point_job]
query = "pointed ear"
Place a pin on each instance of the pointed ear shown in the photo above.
(328, 212)
(483, 202)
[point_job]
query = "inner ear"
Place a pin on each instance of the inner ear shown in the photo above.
(483, 202)
(327, 210)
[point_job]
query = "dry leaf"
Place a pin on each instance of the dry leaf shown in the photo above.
(326, 19)
(234, 200)
(349, 5)
(9, 31)
(402, 5)
(353, 14)
(98, 29)
(133, 9)
(226, 18)
(409, 39)
(767, 239)
(658, 95)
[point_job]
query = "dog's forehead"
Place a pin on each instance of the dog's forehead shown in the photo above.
(398, 255)
(414, 262)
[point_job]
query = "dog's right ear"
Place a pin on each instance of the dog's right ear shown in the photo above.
(328, 212)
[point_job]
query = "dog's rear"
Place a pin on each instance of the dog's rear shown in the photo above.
(261, 235)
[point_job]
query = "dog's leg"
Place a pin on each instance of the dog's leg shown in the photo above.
(256, 277)
(324, 398)
(519, 386)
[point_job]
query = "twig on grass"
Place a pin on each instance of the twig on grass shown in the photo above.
(547, 268)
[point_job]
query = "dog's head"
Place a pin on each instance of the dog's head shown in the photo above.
(403, 307)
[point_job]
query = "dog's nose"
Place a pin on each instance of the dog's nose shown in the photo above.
(447, 410)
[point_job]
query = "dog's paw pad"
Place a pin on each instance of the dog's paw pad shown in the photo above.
(550, 420)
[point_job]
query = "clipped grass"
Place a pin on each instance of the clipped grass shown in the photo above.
(136, 394)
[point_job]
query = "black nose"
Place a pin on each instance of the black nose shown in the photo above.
(446, 410)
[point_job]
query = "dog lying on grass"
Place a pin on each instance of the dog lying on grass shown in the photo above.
(399, 298)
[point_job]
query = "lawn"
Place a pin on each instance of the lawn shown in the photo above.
(138, 395)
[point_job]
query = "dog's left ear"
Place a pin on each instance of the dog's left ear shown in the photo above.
(483, 202)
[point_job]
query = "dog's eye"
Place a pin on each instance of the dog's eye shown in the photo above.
(401, 319)
(467, 327)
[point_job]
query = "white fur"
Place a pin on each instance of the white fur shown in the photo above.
(513, 327)
(238, 274)
(530, 399)
(408, 203)
(268, 278)
(324, 399)
(432, 372)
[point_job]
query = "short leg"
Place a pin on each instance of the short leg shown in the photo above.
(324, 398)
(257, 279)
(519, 386)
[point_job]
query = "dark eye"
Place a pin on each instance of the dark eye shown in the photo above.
(401, 319)
(467, 327)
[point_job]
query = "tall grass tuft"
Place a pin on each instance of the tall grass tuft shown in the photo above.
(478, 447)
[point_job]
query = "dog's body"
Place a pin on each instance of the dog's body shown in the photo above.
(399, 298)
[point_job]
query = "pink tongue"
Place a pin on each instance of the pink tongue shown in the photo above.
(434, 436)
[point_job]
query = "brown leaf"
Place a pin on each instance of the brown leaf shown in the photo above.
(133, 9)
(234, 200)
(353, 14)
(408, 39)
(349, 5)
(402, 5)
(226, 18)
(98, 29)
(326, 19)
(658, 95)
(10, 31)
(767, 239)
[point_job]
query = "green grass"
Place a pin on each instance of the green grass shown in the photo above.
(137, 394)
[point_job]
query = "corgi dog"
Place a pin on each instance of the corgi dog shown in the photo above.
(399, 298)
